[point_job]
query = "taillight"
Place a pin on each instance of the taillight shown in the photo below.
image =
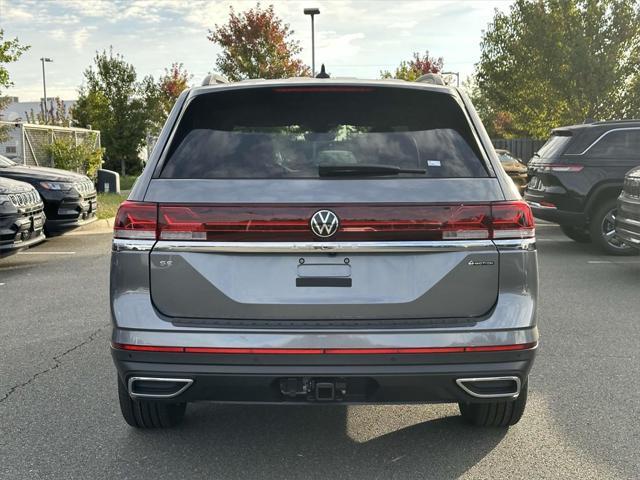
(136, 220)
(512, 220)
(291, 223)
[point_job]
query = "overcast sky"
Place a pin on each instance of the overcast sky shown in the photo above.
(353, 38)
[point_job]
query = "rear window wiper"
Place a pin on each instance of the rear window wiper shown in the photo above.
(364, 170)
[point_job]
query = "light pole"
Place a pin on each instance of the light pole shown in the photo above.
(44, 86)
(312, 12)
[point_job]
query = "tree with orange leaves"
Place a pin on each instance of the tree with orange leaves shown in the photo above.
(257, 44)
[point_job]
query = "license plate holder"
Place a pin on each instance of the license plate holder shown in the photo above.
(36, 223)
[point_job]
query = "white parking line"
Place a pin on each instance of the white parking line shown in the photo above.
(600, 262)
(46, 253)
(2, 284)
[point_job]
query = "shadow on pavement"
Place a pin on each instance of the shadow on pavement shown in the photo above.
(311, 442)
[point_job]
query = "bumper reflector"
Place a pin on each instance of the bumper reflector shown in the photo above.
(324, 351)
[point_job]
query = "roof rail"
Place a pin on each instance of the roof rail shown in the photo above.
(213, 79)
(622, 120)
(432, 78)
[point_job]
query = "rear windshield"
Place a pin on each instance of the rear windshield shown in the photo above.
(290, 132)
(555, 146)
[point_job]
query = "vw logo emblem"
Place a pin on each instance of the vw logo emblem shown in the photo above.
(324, 223)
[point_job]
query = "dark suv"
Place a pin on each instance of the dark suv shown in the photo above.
(577, 176)
(21, 216)
(70, 198)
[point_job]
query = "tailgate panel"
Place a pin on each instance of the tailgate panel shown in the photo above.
(263, 286)
(196, 282)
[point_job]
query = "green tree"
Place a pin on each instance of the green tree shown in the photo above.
(79, 157)
(113, 101)
(163, 95)
(10, 51)
(257, 44)
(416, 67)
(549, 63)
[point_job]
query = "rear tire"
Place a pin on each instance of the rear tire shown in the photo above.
(577, 234)
(603, 232)
(142, 413)
(495, 414)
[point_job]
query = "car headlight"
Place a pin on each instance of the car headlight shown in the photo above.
(62, 186)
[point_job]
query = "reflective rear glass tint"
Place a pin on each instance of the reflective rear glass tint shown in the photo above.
(291, 132)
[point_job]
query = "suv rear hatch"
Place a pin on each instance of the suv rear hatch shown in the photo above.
(548, 162)
(248, 170)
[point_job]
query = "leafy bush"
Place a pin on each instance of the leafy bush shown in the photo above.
(66, 155)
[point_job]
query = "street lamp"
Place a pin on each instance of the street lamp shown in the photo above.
(312, 12)
(44, 86)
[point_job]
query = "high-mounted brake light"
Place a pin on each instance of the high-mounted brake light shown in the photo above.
(322, 89)
(136, 221)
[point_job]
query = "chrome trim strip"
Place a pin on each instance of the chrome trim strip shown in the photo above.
(513, 395)
(628, 221)
(627, 236)
(537, 205)
(297, 337)
(187, 383)
(310, 247)
(528, 244)
(622, 129)
(130, 245)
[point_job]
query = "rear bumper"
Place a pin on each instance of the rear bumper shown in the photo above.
(552, 209)
(381, 379)
(554, 215)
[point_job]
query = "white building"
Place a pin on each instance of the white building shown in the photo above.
(17, 111)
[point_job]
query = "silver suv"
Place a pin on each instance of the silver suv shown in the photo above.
(312, 241)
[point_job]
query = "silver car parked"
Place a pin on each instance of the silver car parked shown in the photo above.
(312, 241)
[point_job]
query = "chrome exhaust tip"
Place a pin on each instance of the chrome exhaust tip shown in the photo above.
(491, 387)
(154, 387)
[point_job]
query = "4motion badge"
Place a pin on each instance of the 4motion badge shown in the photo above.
(480, 263)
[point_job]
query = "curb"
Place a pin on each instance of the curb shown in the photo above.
(103, 225)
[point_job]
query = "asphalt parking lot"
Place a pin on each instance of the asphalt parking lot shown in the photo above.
(60, 419)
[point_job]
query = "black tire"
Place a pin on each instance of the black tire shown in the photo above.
(495, 414)
(149, 413)
(577, 234)
(603, 232)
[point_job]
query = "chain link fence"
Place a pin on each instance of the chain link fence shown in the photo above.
(29, 142)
